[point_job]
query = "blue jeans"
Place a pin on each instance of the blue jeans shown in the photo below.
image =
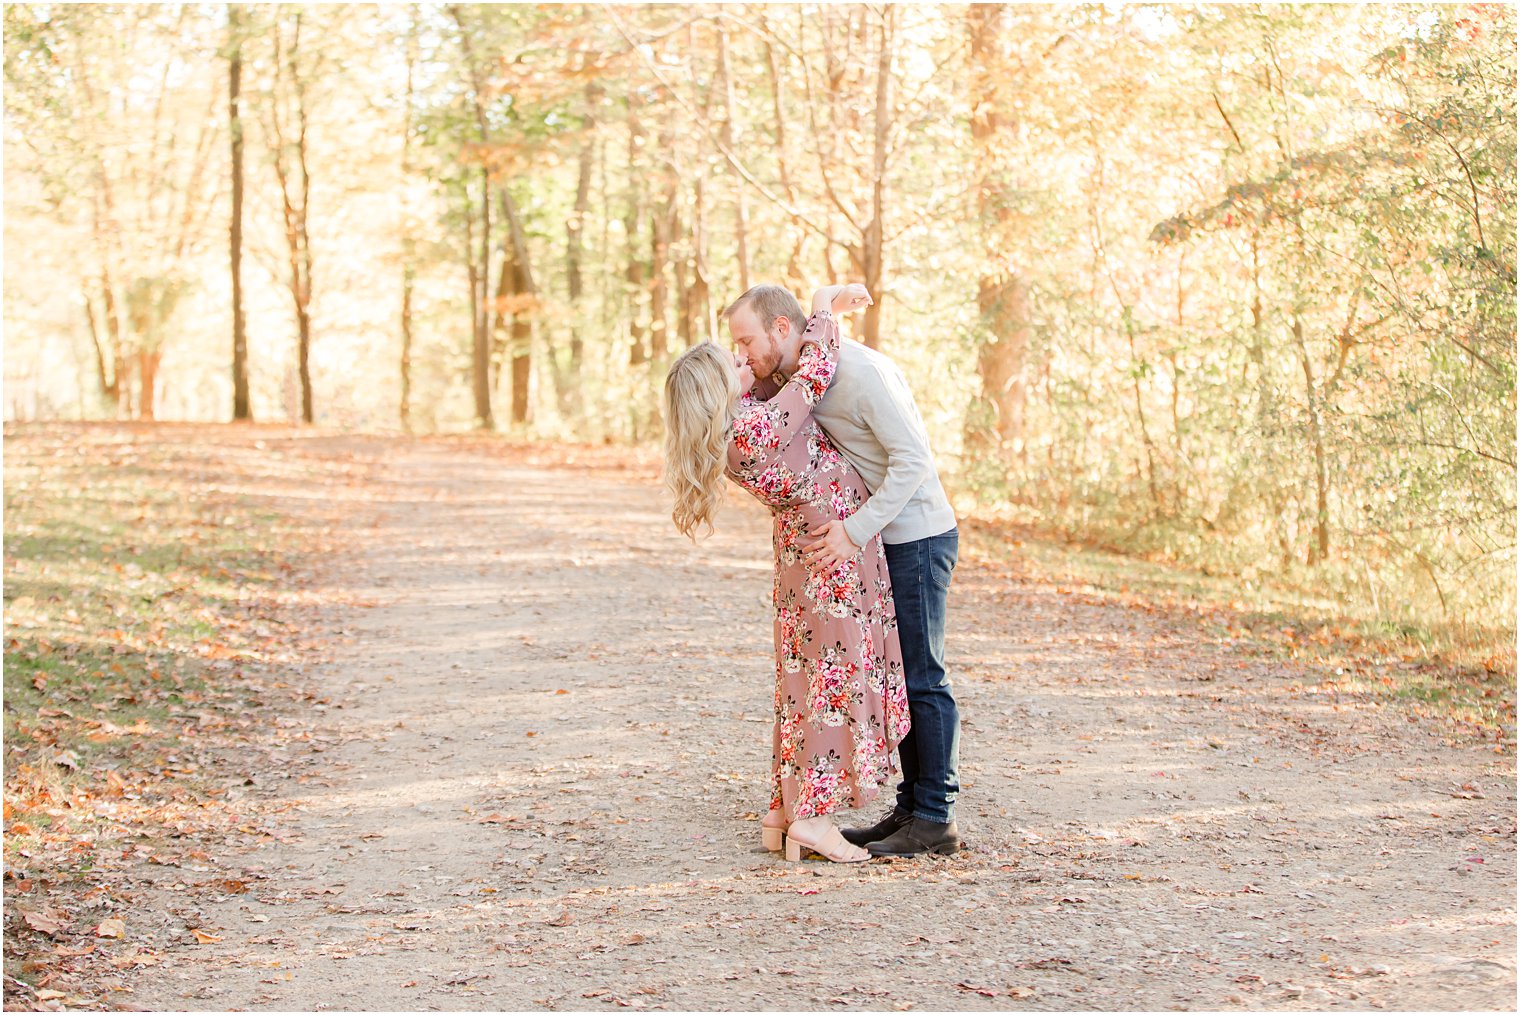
(930, 753)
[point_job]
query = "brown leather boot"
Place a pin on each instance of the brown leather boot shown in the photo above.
(918, 836)
(883, 828)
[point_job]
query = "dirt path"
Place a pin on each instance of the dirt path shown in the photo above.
(535, 778)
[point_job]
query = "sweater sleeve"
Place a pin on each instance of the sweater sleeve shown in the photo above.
(893, 421)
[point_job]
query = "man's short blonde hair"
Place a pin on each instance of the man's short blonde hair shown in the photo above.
(769, 302)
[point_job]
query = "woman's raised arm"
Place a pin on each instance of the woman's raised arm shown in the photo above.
(763, 430)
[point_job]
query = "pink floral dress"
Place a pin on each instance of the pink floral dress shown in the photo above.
(841, 704)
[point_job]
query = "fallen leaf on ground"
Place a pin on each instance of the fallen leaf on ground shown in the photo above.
(47, 921)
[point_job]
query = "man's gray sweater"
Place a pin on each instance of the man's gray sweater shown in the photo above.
(870, 414)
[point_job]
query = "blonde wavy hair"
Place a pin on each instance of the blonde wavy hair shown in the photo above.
(700, 391)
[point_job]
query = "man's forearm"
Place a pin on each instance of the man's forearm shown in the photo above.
(904, 476)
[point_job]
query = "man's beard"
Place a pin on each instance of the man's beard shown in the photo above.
(768, 365)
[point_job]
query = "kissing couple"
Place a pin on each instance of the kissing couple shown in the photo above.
(826, 434)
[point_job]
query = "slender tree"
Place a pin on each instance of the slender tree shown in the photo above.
(241, 409)
(997, 420)
(288, 118)
(479, 266)
(408, 240)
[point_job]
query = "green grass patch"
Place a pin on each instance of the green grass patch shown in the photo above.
(141, 620)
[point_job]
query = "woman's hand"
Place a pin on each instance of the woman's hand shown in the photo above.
(851, 298)
(841, 299)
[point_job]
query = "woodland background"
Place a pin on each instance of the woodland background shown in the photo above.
(1231, 286)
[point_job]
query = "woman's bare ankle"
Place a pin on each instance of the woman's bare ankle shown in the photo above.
(813, 827)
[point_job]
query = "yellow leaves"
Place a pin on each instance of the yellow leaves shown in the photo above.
(203, 937)
(111, 928)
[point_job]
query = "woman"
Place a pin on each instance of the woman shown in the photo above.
(841, 705)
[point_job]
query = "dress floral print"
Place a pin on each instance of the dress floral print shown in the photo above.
(841, 704)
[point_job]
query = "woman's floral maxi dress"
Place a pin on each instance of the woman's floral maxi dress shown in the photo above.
(841, 704)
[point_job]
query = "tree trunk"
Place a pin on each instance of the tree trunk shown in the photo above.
(115, 390)
(699, 309)
(481, 358)
(794, 276)
(118, 389)
(1002, 294)
(110, 384)
(304, 294)
(522, 358)
(497, 328)
(871, 240)
(480, 270)
(241, 409)
(1320, 551)
(571, 400)
(685, 312)
(659, 249)
(1003, 304)
(1145, 430)
(524, 306)
(304, 322)
(1177, 369)
(741, 197)
(405, 408)
(1266, 405)
(147, 379)
(296, 209)
(659, 252)
(480, 350)
(632, 223)
(408, 245)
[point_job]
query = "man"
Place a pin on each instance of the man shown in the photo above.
(869, 412)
